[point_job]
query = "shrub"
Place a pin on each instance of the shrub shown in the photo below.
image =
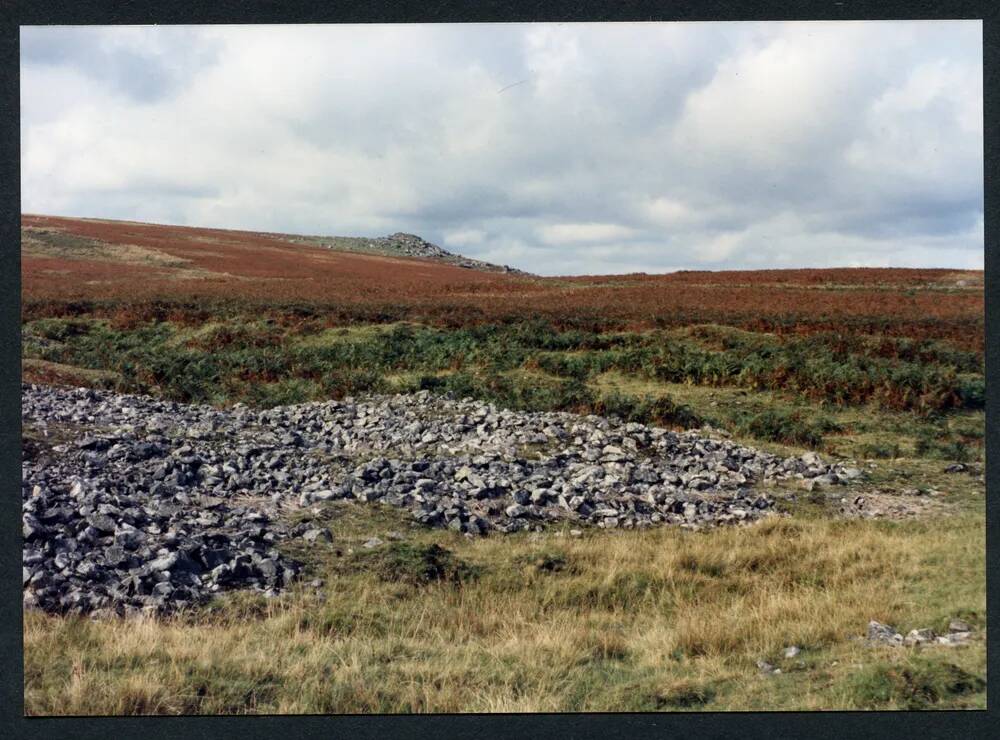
(930, 444)
(547, 561)
(281, 393)
(684, 694)
(416, 564)
(971, 391)
(880, 450)
(661, 411)
(788, 427)
(837, 368)
(919, 684)
(58, 329)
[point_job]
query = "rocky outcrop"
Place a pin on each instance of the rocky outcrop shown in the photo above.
(411, 245)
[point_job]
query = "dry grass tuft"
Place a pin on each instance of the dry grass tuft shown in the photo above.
(655, 620)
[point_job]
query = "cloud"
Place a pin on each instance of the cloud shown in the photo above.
(572, 148)
(667, 211)
(588, 232)
(464, 238)
(143, 64)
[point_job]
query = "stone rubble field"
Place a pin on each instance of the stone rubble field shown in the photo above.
(132, 503)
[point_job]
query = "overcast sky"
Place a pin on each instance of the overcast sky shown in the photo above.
(559, 149)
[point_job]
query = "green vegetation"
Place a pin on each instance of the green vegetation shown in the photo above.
(789, 427)
(919, 683)
(933, 387)
(403, 562)
(654, 620)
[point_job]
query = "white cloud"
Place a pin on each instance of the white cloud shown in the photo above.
(719, 248)
(558, 149)
(665, 211)
(464, 237)
(586, 232)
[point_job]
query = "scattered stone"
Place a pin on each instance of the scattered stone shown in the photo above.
(313, 535)
(883, 634)
(954, 639)
(919, 637)
(372, 543)
(164, 562)
(959, 625)
(851, 473)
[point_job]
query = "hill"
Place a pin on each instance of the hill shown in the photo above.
(400, 244)
(380, 481)
(133, 266)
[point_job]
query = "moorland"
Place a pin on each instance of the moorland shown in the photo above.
(878, 369)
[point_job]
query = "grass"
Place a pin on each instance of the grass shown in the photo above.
(863, 432)
(404, 562)
(658, 620)
(893, 374)
(655, 620)
(916, 683)
(878, 396)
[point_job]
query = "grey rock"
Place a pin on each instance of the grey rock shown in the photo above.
(919, 637)
(164, 562)
(268, 569)
(102, 523)
(954, 639)
(959, 625)
(314, 535)
(515, 510)
(883, 634)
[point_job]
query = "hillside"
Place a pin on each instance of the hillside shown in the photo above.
(400, 244)
(105, 250)
(336, 480)
(119, 263)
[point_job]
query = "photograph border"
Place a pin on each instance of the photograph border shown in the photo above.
(943, 724)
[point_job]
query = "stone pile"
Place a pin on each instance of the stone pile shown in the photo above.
(132, 502)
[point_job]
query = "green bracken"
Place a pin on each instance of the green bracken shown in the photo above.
(529, 366)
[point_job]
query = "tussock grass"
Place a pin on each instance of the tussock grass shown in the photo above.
(656, 620)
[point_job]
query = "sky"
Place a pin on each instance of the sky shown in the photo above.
(555, 148)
